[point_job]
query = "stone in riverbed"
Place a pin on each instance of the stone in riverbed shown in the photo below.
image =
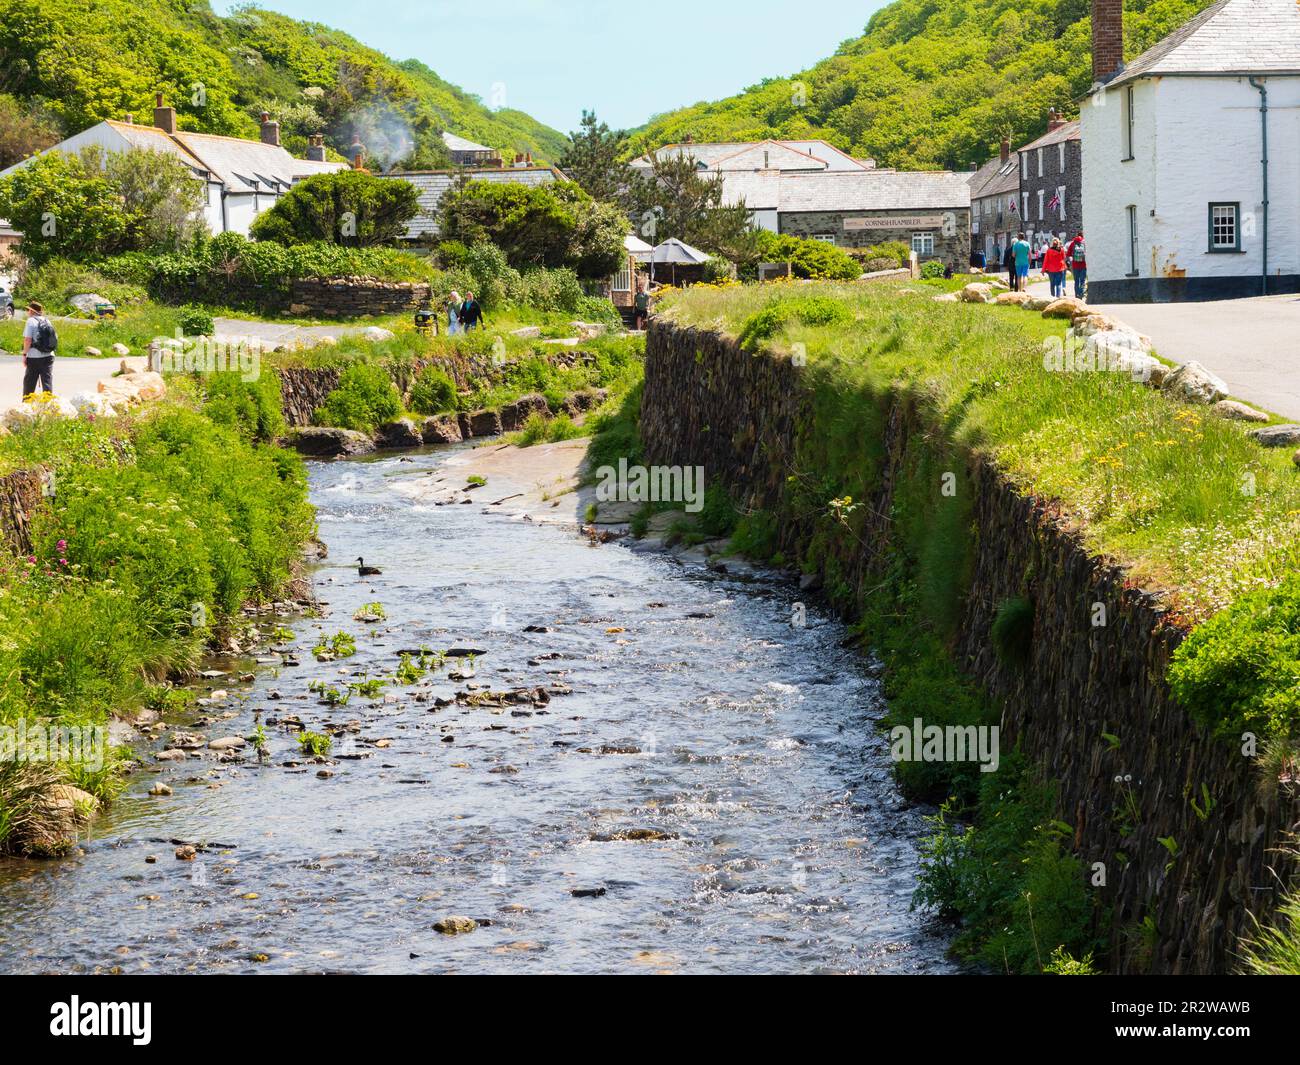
(441, 429)
(227, 743)
(1277, 435)
(485, 423)
(400, 433)
(325, 442)
(513, 415)
(455, 925)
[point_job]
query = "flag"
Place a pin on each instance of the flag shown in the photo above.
(1054, 202)
(1015, 206)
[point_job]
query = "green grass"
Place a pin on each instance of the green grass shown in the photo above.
(1184, 498)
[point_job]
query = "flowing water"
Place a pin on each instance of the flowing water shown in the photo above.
(746, 745)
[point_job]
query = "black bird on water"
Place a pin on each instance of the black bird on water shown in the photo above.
(367, 571)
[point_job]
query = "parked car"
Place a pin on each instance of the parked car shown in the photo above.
(6, 302)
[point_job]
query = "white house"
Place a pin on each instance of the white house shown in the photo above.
(242, 178)
(1191, 157)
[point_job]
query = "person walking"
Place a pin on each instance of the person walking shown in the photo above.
(1009, 264)
(1076, 257)
(1020, 249)
(1054, 267)
(453, 313)
(39, 344)
(471, 313)
(642, 306)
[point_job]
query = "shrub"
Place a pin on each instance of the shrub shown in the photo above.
(433, 391)
(195, 321)
(817, 259)
(364, 399)
(252, 408)
(1012, 631)
(808, 310)
(319, 208)
(54, 282)
(1240, 670)
(932, 269)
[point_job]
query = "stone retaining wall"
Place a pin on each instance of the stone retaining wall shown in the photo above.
(707, 402)
(352, 297)
(20, 494)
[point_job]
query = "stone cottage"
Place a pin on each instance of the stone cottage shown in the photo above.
(1051, 183)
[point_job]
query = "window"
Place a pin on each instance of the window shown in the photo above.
(1060, 157)
(1060, 200)
(1128, 123)
(825, 238)
(1040, 205)
(923, 243)
(622, 280)
(1225, 228)
(1040, 162)
(1024, 166)
(1132, 240)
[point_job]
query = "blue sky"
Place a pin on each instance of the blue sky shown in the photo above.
(555, 57)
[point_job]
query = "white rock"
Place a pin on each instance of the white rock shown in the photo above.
(375, 335)
(1230, 408)
(86, 301)
(976, 292)
(1195, 384)
(93, 353)
(120, 349)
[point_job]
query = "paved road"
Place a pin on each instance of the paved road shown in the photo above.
(273, 333)
(1253, 344)
(71, 374)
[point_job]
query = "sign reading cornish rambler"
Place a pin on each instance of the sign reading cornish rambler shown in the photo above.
(921, 221)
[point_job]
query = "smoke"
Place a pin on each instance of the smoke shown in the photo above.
(384, 132)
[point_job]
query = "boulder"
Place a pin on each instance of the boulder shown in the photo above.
(587, 330)
(976, 292)
(590, 398)
(149, 385)
(85, 302)
(946, 297)
(455, 925)
(1087, 324)
(1230, 408)
(528, 332)
(376, 335)
(485, 423)
(1065, 307)
(466, 429)
(321, 441)
(513, 415)
(1278, 435)
(441, 429)
(64, 810)
(1193, 383)
(400, 433)
(120, 349)
(1018, 298)
(1038, 303)
(92, 352)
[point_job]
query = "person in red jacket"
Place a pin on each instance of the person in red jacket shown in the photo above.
(1054, 267)
(1076, 258)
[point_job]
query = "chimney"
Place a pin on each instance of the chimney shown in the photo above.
(316, 147)
(164, 117)
(1055, 120)
(129, 119)
(270, 130)
(1006, 149)
(1107, 39)
(689, 138)
(356, 151)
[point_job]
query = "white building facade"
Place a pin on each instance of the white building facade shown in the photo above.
(1191, 161)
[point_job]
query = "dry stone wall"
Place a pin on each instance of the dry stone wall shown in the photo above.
(707, 402)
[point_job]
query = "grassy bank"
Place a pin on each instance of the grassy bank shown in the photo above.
(161, 525)
(1184, 499)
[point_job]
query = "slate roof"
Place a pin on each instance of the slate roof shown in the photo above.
(460, 144)
(1228, 37)
(432, 185)
(1070, 131)
(866, 190)
(748, 155)
(239, 163)
(996, 178)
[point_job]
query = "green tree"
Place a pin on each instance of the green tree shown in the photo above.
(24, 131)
(162, 198)
(675, 199)
(594, 158)
(63, 209)
(348, 207)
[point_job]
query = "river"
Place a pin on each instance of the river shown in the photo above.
(747, 747)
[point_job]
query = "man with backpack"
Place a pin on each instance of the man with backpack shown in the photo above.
(1076, 257)
(39, 344)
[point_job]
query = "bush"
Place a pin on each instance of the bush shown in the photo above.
(817, 259)
(1012, 631)
(1240, 670)
(195, 321)
(932, 269)
(252, 408)
(433, 391)
(808, 310)
(364, 399)
(317, 209)
(54, 282)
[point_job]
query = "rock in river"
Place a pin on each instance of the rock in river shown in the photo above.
(455, 925)
(323, 442)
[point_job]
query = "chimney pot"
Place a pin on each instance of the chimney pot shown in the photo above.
(1006, 148)
(164, 117)
(1107, 39)
(316, 147)
(270, 130)
(129, 119)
